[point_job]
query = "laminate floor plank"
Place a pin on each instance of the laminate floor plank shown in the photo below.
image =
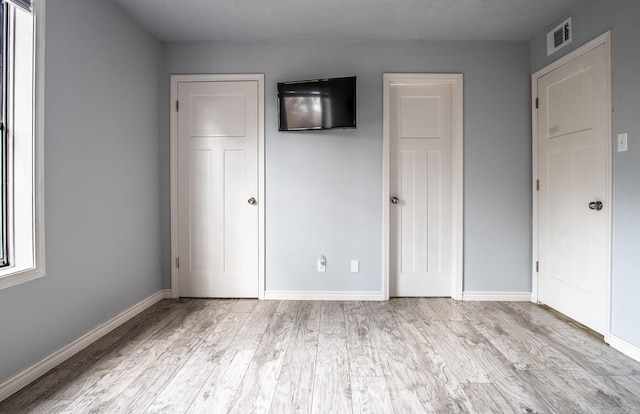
(82, 381)
(588, 353)
(440, 309)
(332, 385)
(552, 390)
(459, 345)
(49, 384)
(108, 388)
(151, 381)
(443, 392)
(294, 392)
(250, 335)
(139, 395)
(288, 306)
(406, 316)
(217, 394)
(364, 360)
(473, 359)
(532, 317)
(370, 395)
(178, 320)
(258, 386)
(221, 380)
(582, 347)
(486, 399)
(406, 355)
(628, 382)
(405, 381)
(518, 345)
(179, 393)
(245, 305)
(393, 324)
(182, 389)
(41, 406)
(189, 328)
(598, 391)
(519, 394)
(484, 363)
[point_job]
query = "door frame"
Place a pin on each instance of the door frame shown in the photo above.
(175, 80)
(456, 82)
(604, 39)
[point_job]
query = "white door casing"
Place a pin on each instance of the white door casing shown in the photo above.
(572, 153)
(217, 153)
(423, 169)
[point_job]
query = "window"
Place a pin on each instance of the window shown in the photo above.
(21, 157)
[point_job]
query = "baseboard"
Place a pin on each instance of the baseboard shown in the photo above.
(323, 295)
(24, 378)
(625, 347)
(166, 293)
(497, 296)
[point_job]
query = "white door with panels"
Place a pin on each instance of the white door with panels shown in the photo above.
(421, 242)
(217, 188)
(574, 211)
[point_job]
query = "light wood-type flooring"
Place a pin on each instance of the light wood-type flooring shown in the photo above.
(401, 356)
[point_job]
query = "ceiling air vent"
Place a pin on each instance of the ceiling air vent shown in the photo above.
(559, 37)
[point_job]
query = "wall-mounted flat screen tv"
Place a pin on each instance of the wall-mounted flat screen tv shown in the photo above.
(317, 104)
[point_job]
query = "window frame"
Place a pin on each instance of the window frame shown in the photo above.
(33, 244)
(4, 243)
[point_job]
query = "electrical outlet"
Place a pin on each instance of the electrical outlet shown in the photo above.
(322, 264)
(355, 266)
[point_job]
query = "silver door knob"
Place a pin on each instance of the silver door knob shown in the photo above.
(252, 201)
(395, 200)
(596, 205)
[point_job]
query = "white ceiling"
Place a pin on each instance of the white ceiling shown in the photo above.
(187, 20)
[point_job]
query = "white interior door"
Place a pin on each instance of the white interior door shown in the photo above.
(573, 201)
(420, 187)
(217, 180)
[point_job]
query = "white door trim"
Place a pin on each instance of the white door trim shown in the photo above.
(175, 79)
(456, 82)
(604, 39)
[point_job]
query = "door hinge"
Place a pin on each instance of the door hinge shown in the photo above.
(177, 263)
(537, 267)
(177, 106)
(537, 185)
(537, 103)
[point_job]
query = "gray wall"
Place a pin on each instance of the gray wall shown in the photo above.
(102, 182)
(324, 188)
(589, 21)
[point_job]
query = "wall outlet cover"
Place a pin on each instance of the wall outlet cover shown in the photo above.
(355, 266)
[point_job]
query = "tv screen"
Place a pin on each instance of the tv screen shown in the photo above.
(317, 104)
